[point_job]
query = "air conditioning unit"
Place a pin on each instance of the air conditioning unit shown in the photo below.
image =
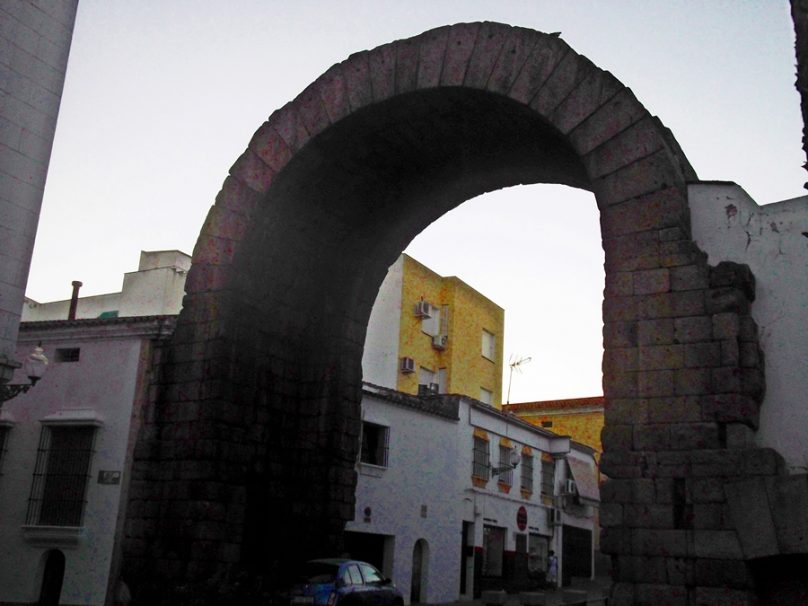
(570, 488)
(423, 309)
(554, 517)
(407, 365)
(440, 341)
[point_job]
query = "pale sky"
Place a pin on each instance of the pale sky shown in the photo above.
(161, 97)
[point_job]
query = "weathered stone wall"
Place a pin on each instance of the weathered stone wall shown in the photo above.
(249, 459)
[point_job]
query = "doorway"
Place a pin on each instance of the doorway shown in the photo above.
(420, 569)
(52, 578)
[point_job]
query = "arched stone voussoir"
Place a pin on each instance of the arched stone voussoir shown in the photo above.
(459, 46)
(614, 116)
(268, 145)
(515, 52)
(431, 53)
(290, 125)
(592, 92)
(252, 172)
(543, 59)
(491, 37)
(641, 139)
(566, 76)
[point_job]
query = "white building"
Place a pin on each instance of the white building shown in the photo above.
(773, 240)
(428, 512)
(156, 288)
(441, 512)
(64, 448)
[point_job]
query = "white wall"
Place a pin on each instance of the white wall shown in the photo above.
(380, 359)
(422, 470)
(156, 288)
(103, 384)
(729, 226)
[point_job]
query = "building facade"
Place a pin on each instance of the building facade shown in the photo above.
(156, 288)
(580, 418)
(441, 509)
(433, 334)
(65, 455)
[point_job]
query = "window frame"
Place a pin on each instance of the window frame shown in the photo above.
(45, 482)
(505, 477)
(548, 468)
(381, 449)
(527, 473)
(480, 460)
(488, 346)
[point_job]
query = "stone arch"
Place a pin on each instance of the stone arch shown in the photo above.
(248, 458)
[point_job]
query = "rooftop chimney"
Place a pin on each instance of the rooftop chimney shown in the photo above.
(74, 300)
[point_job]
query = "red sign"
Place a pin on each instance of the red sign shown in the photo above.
(521, 518)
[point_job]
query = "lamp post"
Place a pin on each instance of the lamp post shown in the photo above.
(35, 365)
(513, 462)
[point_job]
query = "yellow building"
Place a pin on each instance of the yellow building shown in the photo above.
(580, 418)
(434, 334)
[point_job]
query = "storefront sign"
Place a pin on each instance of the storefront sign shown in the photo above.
(521, 518)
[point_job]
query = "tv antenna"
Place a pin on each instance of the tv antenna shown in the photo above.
(516, 362)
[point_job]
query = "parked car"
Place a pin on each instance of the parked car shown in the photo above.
(343, 582)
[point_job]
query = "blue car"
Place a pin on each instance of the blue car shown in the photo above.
(342, 582)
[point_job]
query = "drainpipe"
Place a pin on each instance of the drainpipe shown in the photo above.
(74, 300)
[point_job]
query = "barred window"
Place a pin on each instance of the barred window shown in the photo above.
(547, 477)
(527, 473)
(506, 475)
(481, 464)
(59, 488)
(374, 444)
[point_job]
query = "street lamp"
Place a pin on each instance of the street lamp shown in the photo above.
(513, 461)
(35, 365)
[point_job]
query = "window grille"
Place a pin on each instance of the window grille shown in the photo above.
(547, 477)
(527, 473)
(375, 440)
(481, 464)
(506, 476)
(59, 487)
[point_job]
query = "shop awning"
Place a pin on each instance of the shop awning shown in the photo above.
(586, 479)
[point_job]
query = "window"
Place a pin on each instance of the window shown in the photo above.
(427, 384)
(67, 354)
(547, 476)
(60, 477)
(527, 474)
(486, 396)
(431, 324)
(480, 459)
(370, 574)
(356, 577)
(374, 444)
(505, 477)
(489, 345)
(442, 380)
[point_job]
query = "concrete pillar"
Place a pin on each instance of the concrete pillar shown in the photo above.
(35, 41)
